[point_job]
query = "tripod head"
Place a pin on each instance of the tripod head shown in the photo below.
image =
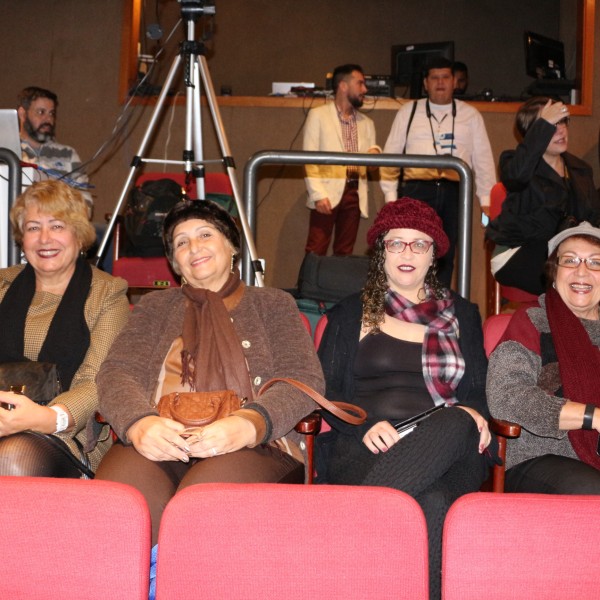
(192, 10)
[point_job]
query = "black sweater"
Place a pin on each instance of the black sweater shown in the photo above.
(339, 346)
(538, 202)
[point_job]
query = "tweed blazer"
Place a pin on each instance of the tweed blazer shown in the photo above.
(106, 312)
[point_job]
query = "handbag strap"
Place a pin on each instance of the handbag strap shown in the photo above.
(339, 409)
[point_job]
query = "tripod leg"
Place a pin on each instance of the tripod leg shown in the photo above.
(197, 135)
(226, 153)
(137, 159)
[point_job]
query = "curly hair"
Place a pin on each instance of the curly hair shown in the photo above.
(376, 285)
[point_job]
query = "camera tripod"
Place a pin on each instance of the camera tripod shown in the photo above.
(193, 53)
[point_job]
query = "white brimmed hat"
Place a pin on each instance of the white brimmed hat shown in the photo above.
(584, 228)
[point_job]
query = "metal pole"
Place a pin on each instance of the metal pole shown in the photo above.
(465, 191)
(14, 189)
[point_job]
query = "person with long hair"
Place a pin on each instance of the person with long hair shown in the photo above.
(401, 348)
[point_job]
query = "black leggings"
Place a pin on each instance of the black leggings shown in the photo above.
(436, 464)
(160, 481)
(26, 454)
(552, 474)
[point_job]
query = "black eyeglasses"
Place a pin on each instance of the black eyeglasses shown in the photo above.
(564, 121)
(572, 262)
(417, 247)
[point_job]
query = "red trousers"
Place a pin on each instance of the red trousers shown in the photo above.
(345, 217)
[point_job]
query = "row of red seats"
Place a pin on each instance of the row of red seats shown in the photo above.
(65, 538)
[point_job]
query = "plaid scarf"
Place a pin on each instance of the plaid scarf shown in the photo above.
(443, 363)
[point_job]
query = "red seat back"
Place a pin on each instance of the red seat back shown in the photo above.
(534, 546)
(67, 538)
(241, 541)
(493, 329)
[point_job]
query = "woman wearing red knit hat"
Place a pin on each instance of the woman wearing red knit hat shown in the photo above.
(403, 347)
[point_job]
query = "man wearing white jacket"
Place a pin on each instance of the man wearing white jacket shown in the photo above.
(337, 195)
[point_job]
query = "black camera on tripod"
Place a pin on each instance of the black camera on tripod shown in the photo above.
(193, 9)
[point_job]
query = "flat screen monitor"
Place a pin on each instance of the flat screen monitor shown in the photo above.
(409, 61)
(544, 57)
(545, 61)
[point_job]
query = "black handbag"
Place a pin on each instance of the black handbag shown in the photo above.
(38, 381)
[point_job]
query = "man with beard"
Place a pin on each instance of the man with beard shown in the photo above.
(337, 195)
(440, 125)
(37, 119)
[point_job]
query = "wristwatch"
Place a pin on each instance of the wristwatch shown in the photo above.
(62, 418)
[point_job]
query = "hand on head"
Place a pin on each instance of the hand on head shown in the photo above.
(554, 112)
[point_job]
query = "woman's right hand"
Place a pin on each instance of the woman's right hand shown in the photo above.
(381, 437)
(159, 439)
(554, 112)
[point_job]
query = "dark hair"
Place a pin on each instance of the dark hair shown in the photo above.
(208, 211)
(550, 266)
(30, 94)
(376, 286)
(438, 62)
(340, 73)
(459, 66)
(529, 112)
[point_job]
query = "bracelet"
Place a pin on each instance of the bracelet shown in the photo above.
(62, 418)
(588, 416)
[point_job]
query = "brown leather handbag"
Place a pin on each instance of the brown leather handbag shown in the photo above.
(197, 409)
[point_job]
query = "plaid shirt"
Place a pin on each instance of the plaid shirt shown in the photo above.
(349, 136)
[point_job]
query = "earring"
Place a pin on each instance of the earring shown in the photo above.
(183, 281)
(232, 263)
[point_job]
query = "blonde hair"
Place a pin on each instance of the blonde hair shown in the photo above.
(54, 198)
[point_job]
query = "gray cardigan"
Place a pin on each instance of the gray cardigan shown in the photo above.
(522, 389)
(273, 338)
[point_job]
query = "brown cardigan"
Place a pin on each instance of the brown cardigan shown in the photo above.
(274, 341)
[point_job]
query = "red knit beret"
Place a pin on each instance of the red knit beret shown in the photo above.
(406, 213)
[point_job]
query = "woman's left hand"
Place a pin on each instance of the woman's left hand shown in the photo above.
(485, 437)
(381, 437)
(222, 436)
(26, 414)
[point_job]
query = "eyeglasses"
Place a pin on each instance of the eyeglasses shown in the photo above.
(564, 121)
(572, 262)
(417, 247)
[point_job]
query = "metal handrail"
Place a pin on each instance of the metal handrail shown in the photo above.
(465, 192)
(14, 189)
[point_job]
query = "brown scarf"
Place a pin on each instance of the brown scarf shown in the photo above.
(579, 366)
(212, 357)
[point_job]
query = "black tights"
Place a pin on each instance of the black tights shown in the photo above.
(436, 464)
(552, 474)
(160, 481)
(26, 454)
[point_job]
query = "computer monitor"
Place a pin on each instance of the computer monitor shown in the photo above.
(409, 61)
(545, 61)
(544, 57)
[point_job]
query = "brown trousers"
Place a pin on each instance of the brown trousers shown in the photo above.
(160, 481)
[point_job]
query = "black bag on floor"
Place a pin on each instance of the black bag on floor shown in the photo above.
(331, 278)
(147, 207)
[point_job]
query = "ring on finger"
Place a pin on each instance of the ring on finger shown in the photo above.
(213, 451)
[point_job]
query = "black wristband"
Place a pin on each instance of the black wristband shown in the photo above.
(588, 416)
